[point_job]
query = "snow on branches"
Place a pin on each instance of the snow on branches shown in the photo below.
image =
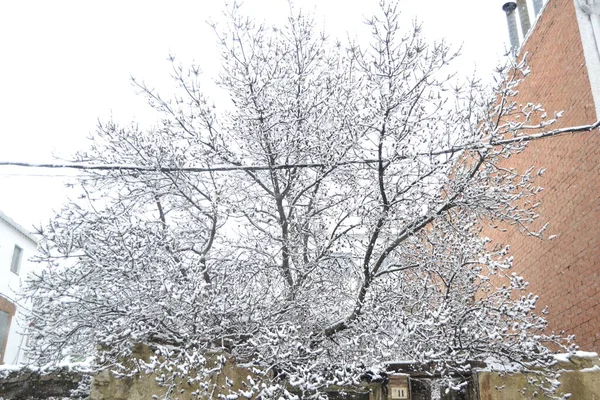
(362, 250)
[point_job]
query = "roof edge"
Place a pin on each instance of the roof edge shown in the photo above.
(18, 227)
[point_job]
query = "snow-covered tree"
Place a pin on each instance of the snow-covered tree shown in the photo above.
(324, 222)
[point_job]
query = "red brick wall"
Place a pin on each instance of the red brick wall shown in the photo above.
(564, 272)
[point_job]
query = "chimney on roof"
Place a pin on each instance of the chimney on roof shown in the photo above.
(524, 17)
(537, 6)
(509, 8)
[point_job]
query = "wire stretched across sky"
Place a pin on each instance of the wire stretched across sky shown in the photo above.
(252, 168)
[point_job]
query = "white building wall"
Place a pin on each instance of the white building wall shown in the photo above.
(12, 234)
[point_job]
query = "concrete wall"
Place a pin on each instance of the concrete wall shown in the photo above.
(580, 376)
(581, 379)
(564, 272)
(224, 381)
(12, 234)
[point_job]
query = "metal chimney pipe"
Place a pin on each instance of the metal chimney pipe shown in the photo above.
(509, 8)
(537, 6)
(524, 17)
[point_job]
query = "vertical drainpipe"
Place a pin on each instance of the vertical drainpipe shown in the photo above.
(592, 9)
(524, 17)
(537, 6)
(509, 8)
(588, 20)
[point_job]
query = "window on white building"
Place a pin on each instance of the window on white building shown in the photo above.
(16, 260)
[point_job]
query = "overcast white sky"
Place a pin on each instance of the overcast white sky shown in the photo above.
(66, 64)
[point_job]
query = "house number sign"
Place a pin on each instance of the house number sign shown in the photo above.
(399, 393)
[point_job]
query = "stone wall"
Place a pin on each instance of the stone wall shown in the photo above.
(34, 384)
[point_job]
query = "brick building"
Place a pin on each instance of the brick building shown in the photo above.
(563, 49)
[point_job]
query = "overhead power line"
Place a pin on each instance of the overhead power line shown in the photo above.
(485, 143)
(217, 168)
(36, 175)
